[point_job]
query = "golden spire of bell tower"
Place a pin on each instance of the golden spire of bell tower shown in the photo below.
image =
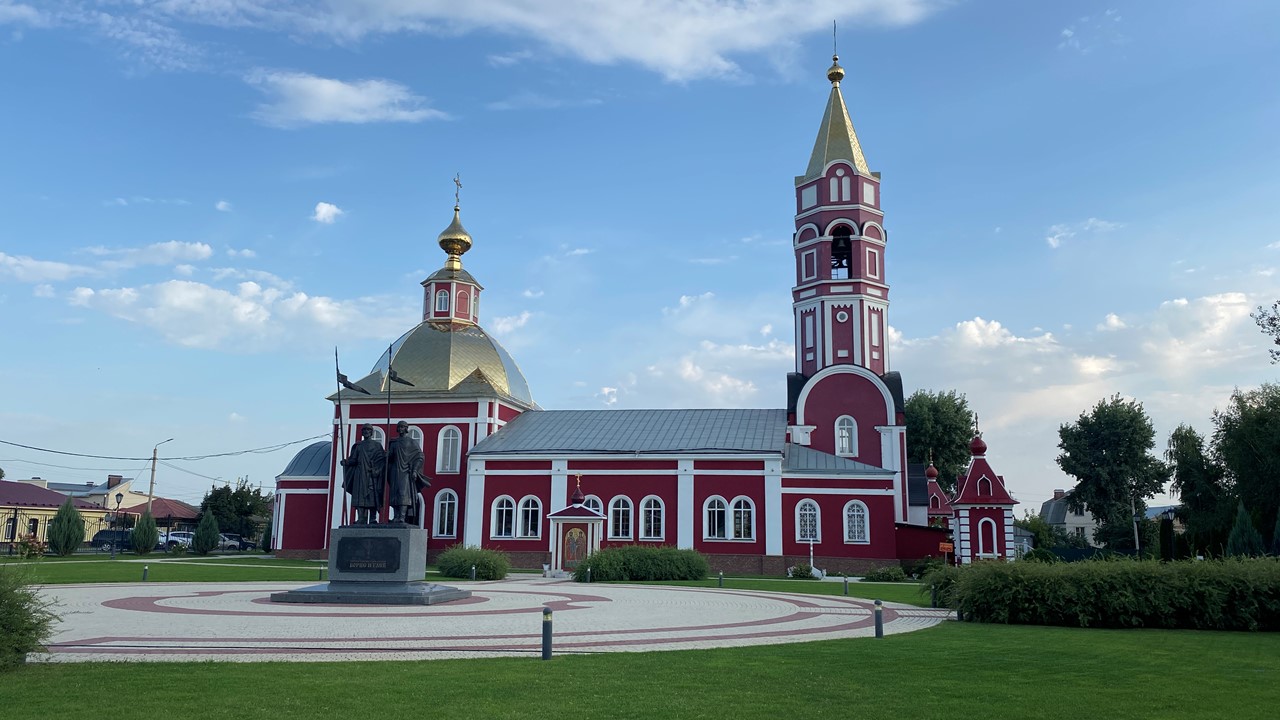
(455, 240)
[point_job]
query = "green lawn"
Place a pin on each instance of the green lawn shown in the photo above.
(957, 670)
(166, 568)
(908, 593)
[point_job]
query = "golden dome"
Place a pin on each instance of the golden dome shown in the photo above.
(462, 361)
(835, 73)
(455, 240)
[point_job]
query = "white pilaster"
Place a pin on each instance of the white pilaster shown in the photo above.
(684, 505)
(773, 507)
(559, 485)
(474, 529)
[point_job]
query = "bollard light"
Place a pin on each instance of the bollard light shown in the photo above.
(846, 585)
(145, 569)
(473, 572)
(546, 633)
(721, 578)
(879, 619)
(588, 574)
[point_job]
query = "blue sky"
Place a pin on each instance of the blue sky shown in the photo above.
(201, 198)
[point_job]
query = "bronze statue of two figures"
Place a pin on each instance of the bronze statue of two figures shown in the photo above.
(369, 471)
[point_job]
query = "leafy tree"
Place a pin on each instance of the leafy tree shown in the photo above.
(145, 535)
(26, 619)
(939, 427)
(241, 510)
(1200, 483)
(206, 537)
(66, 530)
(1108, 451)
(1245, 540)
(1269, 322)
(1246, 440)
(265, 545)
(1045, 535)
(1, 473)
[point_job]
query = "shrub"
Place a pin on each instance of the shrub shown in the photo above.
(643, 562)
(1232, 594)
(145, 535)
(1244, 540)
(940, 584)
(1043, 555)
(893, 573)
(265, 545)
(30, 547)
(205, 540)
(802, 571)
(66, 530)
(457, 561)
(26, 620)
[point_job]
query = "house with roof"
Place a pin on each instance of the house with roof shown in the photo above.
(27, 509)
(823, 473)
(1056, 511)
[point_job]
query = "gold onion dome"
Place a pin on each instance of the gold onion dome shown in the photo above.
(455, 240)
(835, 73)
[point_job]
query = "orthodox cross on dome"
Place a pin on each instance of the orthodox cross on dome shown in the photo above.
(457, 192)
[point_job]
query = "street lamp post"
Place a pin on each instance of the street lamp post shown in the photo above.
(115, 521)
(1166, 534)
(151, 489)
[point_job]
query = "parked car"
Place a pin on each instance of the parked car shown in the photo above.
(227, 541)
(177, 538)
(241, 543)
(105, 540)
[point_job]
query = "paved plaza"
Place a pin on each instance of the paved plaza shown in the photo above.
(237, 621)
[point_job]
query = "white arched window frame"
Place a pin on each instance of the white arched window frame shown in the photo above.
(593, 502)
(449, 450)
(416, 434)
(502, 521)
(856, 526)
(715, 519)
(446, 515)
(743, 525)
(987, 538)
(463, 307)
(620, 518)
(808, 521)
(984, 486)
(935, 502)
(378, 435)
(530, 524)
(846, 436)
(442, 301)
(652, 515)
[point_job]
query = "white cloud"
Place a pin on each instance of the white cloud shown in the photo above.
(27, 269)
(13, 13)
(507, 325)
(532, 293)
(222, 206)
(184, 269)
(766, 329)
(248, 318)
(1274, 246)
(43, 291)
(1091, 32)
(236, 417)
(577, 252)
(326, 213)
(608, 395)
(244, 253)
(1112, 322)
(297, 99)
(261, 277)
(165, 253)
(529, 100)
(1057, 234)
(143, 200)
(510, 59)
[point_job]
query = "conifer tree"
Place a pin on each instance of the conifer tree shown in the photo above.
(1275, 537)
(66, 530)
(206, 536)
(1245, 540)
(145, 535)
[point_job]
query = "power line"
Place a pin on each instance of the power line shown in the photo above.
(261, 450)
(189, 472)
(66, 467)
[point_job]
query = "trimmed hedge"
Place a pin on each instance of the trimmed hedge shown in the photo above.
(643, 562)
(456, 562)
(1232, 594)
(892, 573)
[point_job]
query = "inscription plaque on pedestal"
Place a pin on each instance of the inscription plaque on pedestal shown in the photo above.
(368, 554)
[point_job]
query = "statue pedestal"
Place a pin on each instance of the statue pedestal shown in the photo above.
(376, 565)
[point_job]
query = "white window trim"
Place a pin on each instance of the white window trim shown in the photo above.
(520, 518)
(706, 508)
(459, 297)
(378, 435)
(455, 456)
(631, 521)
(439, 515)
(995, 538)
(853, 436)
(809, 265)
(586, 503)
(662, 518)
(873, 263)
(442, 294)
(817, 521)
(731, 526)
(866, 523)
(493, 518)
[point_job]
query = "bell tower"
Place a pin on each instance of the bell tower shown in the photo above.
(840, 298)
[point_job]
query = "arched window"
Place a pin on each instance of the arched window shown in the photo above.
(987, 538)
(530, 517)
(651, 518)
(935, 502)
(416, 434)
(984, 486)
(846, 436)
(449, 450)
(446, 514)
(592, 502)
(620, 518)
(855, 523)
(744, 519)
(442, 301)
(808, 522)
(378, 435)
(841, 253)
(463, 308)
(715, 525)
(503, 523)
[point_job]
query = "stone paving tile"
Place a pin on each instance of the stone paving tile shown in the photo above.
(237, 622)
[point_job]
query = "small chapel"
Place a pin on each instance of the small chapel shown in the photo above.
(822, 475)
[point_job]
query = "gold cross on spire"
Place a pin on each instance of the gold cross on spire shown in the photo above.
(457, 193)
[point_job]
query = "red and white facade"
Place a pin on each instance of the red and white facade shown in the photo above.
(983, 520)
(826, 476)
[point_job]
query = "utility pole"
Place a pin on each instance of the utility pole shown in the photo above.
(151, 489)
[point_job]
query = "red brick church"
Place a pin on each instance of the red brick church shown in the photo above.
(754, 490)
